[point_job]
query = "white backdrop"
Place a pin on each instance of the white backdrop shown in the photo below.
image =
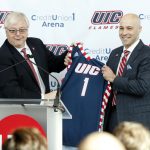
(60, 22)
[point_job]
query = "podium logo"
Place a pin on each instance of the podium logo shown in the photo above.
(12, 122)
(106, 17)
(3, 15)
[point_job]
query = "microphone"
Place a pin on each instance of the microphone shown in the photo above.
(29, 56)
(56, 104)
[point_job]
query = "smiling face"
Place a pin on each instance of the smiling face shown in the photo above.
(16, 27)
(129, 29)
(15, 35)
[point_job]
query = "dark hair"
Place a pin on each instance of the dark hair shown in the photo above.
(26, 139)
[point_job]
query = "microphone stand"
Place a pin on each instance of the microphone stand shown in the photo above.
(56, 100)
(56, 104)
(16, 64)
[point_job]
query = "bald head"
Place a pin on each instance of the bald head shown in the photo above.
(101, 141)
(131, 17)
(129, 29)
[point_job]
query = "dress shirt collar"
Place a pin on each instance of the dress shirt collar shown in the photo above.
(131, 48)
(27, 49)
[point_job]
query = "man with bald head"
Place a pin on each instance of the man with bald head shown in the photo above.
(101, 141)
(128, 70)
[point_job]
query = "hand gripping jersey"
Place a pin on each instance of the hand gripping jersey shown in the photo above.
(82, 93)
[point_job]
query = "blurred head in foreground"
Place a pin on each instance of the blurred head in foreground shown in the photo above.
(26, 139)
(133, 135)
(101, 141)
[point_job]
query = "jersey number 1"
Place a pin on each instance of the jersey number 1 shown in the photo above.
(86, 80)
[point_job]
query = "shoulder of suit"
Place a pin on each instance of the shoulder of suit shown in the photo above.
(5, 52)
(33, 39)
(144, 46)
(118, 49)
(5, 45)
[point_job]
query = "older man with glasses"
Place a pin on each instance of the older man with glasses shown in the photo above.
(19, 78)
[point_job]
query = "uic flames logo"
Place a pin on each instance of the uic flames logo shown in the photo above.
(106, 17)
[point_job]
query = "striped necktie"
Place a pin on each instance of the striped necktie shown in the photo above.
(120, 71)
(30, 64)
(123, 62)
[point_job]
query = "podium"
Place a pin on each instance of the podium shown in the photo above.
(49, 117)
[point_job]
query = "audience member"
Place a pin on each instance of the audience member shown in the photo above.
(133, 135)
(26, 139)
(101, 141)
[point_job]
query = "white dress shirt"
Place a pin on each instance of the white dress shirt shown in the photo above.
(41, 83)
(130, 49)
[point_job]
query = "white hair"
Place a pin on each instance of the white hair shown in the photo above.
(14, 17)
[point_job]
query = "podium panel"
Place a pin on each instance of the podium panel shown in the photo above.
(46, 115)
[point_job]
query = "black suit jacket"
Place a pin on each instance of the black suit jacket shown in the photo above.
(133, 88)
(19, 81)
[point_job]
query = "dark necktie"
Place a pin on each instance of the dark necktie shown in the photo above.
(30, 64)
(120, 71)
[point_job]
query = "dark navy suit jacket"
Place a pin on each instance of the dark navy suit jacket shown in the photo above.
(133, 88)
(18, 81)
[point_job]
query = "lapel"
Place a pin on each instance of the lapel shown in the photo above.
(133, 56)
(116, 58)
(34, 52)
(19, 58)
(36, 56)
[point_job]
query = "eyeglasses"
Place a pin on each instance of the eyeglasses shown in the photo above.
(14, 31)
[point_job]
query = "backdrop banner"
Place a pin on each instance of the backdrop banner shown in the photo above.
(95, 23)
